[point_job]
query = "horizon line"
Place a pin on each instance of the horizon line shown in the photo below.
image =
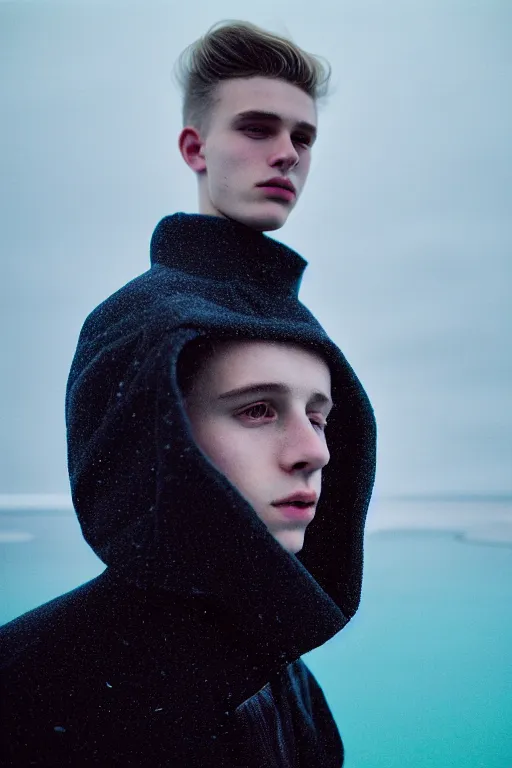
(63, 501)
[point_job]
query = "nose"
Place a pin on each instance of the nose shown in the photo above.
(286, 155)
(304, 447)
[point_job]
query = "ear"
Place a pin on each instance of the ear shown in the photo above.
(191, 147)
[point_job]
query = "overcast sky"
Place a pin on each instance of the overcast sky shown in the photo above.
(405, 220)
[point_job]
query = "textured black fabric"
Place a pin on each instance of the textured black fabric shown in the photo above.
(288, 723)
(199, 611)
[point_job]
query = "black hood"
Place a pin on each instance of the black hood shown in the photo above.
(150, 504)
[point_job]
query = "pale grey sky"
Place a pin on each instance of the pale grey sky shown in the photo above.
(405, 220)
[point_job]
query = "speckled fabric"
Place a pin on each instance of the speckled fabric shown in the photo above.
(199, 611)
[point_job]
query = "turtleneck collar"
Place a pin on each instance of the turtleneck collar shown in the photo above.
(224, 249)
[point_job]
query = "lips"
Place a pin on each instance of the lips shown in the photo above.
(279, 193)
(277, 181)
(299, 499)
(296, 512)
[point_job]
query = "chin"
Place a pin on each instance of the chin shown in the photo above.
(292, 541)
(270, 226)
(261, 221)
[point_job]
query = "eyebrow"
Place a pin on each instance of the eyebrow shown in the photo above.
(281, 389)
(257, 114)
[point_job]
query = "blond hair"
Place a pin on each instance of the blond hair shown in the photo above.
(232, 49)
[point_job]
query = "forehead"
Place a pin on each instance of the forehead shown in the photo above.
(266, 94)
(240, 364)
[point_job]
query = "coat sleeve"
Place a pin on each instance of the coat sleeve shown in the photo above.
(318, 740)
(287, 724)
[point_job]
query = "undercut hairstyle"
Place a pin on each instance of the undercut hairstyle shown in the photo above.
(232, 49)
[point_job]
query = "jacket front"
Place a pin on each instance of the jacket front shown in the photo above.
(186, 650)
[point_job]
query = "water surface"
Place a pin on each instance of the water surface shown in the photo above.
(422, 676)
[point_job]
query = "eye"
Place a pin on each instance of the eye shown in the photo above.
(303, 140)
(257, 411)
(257, 128)
(318, 424)
(298, 138)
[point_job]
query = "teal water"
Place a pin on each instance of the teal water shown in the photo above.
(421, 677)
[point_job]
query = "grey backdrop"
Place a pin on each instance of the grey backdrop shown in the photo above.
(405, 220)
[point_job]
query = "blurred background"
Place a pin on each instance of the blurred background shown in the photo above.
(405, 223)
(405, 220)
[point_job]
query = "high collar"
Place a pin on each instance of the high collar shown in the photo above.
(223, 249)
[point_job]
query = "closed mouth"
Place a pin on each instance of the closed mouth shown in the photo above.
(300, 504)
(280, 183)
(301, 498)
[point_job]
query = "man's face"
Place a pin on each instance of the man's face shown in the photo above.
(240, 153)
(258, 411)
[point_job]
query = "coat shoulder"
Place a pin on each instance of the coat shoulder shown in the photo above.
(39, 625)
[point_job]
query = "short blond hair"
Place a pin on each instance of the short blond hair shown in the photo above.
(232, 49)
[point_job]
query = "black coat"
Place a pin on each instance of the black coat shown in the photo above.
(186, 650)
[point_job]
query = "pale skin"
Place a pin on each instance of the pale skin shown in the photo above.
(238, 153)
(269, 442)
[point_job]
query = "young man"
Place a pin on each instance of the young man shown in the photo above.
(250, 117)
(230, 524)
